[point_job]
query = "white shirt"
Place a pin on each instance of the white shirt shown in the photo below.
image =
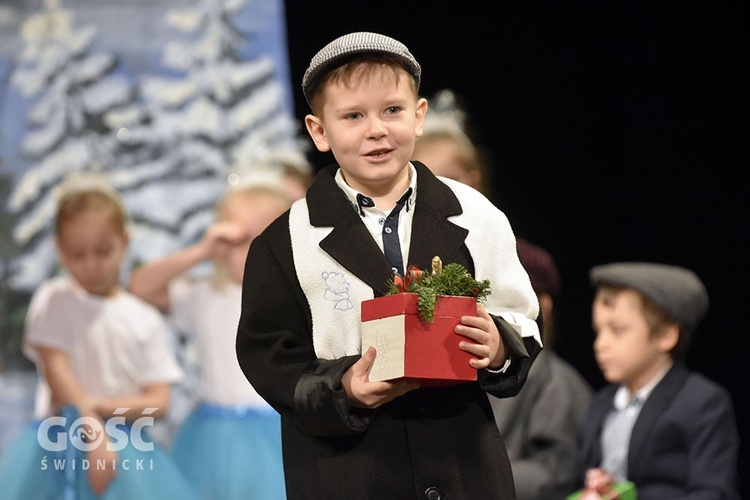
(209, 316)
(374, 218)
(115, 345)
(618, 426)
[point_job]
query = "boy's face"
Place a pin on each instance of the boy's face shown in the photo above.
(370, 126)
(625, 349)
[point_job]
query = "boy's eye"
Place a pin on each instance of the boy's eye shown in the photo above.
(352, 116)
(392, 110)
(618, 330)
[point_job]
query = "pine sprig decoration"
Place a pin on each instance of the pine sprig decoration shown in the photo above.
(452, 279)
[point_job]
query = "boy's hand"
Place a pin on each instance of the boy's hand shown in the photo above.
(486, 345)
(362, 393)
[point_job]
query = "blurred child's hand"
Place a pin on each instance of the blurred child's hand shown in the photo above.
(103, 467)
(223, 235)
(365, 394)
(484, 340)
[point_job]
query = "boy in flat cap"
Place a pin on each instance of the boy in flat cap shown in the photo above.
(669, 430)
(362, 220)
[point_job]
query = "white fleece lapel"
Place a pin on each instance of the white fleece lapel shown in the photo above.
(512, 297)
(333, 293)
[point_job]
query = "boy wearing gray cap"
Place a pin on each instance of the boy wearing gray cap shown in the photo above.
(362, 220)
(669, 430)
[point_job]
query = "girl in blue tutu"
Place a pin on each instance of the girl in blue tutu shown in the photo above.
(105, 369)
(230, 443)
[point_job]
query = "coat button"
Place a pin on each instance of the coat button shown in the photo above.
(432, 493)
(423, 414)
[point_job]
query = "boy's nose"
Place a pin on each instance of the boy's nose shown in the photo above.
(376, 128)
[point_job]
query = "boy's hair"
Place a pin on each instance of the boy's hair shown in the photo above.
(670, 294)
(538, 262)
(545, 279)
(81, 193)
(354, 68)
(656, 318)
(355, 46)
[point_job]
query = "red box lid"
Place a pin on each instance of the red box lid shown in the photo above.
(406, 303)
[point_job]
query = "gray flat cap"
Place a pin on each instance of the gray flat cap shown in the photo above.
(676, 290)
(356, 43)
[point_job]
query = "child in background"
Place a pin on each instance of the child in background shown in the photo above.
(362, 220)
(669, 430)
(541, 426)
(446, 148)
(230, 444)
(102, 356)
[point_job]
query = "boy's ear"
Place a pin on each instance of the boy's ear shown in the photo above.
(421, 112)
(317, 132)
(668, 337)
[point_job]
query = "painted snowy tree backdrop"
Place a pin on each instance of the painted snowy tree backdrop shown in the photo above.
(71, 88)
(210, 110)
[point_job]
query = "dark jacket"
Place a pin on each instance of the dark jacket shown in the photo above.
(541, 427)
(684, 444)
(431, 443)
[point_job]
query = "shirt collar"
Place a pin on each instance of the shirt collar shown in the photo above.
(352, 194)
(623, 398)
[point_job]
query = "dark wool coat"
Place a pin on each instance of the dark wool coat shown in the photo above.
(437, 443)
(684, 444)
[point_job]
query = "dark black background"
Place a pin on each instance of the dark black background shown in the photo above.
(616, 131)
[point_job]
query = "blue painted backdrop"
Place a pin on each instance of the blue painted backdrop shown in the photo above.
(171, 100)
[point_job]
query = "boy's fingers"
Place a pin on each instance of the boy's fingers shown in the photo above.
(368, 358)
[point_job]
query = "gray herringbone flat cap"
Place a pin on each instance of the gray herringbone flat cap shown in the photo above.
(676, 290)
(356, 43)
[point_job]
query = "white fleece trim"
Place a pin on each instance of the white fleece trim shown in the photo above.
(335, 295)
(512, 297)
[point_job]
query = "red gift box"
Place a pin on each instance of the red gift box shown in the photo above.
(409, 347)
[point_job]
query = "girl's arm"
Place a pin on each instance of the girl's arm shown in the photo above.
(151, 281)
(151, 396)
(67, 391)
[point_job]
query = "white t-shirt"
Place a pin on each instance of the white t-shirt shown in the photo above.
(115, 345)
(209, 316)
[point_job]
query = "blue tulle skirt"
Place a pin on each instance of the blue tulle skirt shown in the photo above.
(232, 452)
(30, 471)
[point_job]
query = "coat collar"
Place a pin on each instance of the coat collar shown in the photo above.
(654, 407)
(350, 244)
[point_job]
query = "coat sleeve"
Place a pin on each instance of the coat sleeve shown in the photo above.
(711, 434)
(274, 343)
(522, 352)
